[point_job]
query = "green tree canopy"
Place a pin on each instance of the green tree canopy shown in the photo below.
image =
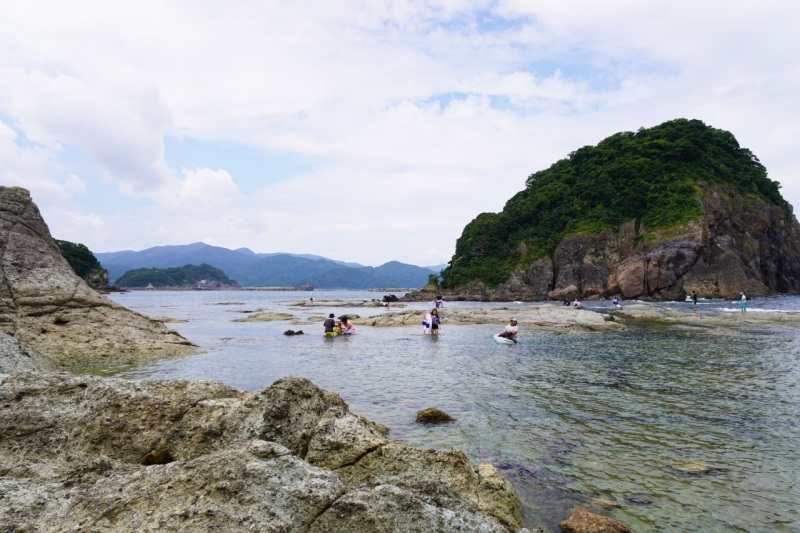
(80, 258)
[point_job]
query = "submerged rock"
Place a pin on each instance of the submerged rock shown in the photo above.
(265, 317)
(694, 467)
(583, 521)
(431, 415)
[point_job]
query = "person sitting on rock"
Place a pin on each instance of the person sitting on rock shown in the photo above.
(577, 304)
(616, 304)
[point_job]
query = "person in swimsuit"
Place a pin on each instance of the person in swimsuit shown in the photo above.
(347, 326)
(435, 322)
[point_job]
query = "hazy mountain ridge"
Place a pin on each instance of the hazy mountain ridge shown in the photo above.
(269, 269)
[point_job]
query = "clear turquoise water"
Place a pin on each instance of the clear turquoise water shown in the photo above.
(570, 419)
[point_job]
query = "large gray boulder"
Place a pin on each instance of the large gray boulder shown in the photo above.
(76, 454)
(52, 311)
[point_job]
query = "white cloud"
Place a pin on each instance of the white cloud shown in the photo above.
(204, 188)
(412, 116)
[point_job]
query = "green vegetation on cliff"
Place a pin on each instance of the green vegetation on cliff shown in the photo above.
(185, 276)
(653, 176)
(82, 261)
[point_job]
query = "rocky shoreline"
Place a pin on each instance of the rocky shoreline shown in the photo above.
(85, 453)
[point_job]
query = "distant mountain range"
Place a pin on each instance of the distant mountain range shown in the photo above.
(251, 269)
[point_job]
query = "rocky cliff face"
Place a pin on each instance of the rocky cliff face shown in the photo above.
(52, 311)
(740, 244)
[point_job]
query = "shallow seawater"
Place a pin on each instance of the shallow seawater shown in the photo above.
(604, 420)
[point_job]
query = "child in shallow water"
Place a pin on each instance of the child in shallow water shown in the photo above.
(435, 322)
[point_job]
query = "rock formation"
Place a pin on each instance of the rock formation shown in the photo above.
(52, 311)
(87, 453)
(739, 244)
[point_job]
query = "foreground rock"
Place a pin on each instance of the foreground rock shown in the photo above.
(52, 311)
(291, 457)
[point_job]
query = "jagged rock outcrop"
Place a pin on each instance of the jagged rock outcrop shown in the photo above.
(52, 311)
(291, 457)
(741, 244)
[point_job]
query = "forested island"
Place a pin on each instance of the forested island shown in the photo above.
(650, 214)
(194, 276)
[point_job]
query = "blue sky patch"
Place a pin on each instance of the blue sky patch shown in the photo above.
(250, 167)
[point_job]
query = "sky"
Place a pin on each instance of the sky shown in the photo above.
(363, 131)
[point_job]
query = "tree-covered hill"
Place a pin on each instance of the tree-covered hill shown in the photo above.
(653, 176)
(185, 276)
(84, 263)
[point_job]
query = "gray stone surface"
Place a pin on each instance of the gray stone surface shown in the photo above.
(288, 458)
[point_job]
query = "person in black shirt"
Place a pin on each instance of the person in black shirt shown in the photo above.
(329, 324)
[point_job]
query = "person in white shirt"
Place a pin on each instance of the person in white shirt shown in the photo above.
(511, 331)
(426, 323)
